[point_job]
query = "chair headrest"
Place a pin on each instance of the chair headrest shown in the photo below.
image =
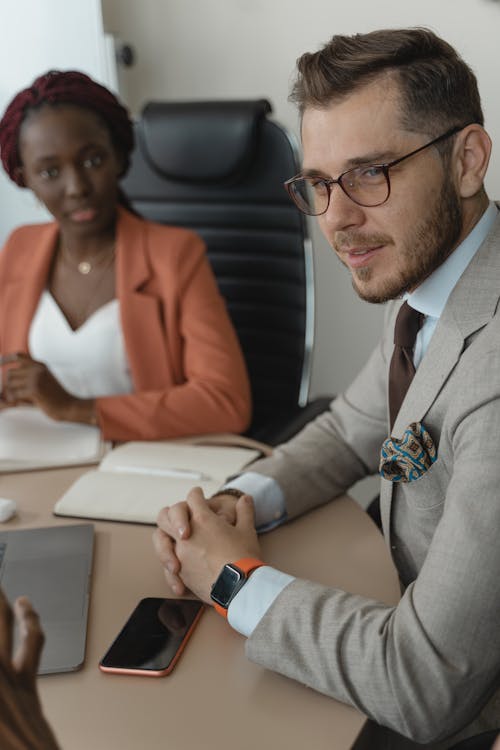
(206, 141)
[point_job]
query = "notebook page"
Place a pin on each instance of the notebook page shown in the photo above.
(171, 459)
(125, 497)
(29, 438)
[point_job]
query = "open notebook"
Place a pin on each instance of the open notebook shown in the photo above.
(134, 481)
(29, 439)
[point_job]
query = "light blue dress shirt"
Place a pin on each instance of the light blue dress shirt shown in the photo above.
(431, 296)
(266, 583)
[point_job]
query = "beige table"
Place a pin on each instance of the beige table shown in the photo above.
(214, 698)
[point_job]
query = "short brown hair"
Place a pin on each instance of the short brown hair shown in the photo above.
(438, 88)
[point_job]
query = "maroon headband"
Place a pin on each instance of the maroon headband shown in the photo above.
(63, 87)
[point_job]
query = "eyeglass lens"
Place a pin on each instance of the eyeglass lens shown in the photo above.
(367, 186)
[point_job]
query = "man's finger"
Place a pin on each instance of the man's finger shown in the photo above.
(31, 640)
(175, 583)
(245, 513)
(224, 507)
(197, 501)
(175, 520)
(165, 549)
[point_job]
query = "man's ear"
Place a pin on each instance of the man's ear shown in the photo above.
(471, 157)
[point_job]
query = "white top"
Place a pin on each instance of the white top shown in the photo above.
(88, 362)
(266, 583)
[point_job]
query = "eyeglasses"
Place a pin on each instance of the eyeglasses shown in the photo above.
(367, 186)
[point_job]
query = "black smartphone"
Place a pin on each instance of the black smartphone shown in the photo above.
(153, 637)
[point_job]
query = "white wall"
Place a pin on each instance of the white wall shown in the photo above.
(247, 48)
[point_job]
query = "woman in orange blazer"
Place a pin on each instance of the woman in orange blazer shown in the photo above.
(180, 367)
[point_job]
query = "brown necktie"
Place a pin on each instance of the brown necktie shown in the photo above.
(402, 369)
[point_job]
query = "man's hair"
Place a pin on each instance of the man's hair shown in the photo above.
(57, 88)
(438, 89)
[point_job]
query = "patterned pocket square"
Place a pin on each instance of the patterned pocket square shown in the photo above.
(407, 459)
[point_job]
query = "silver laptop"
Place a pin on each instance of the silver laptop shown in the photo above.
(52, 566)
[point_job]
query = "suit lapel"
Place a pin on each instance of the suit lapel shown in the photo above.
(22, 291)
(470, 306)
(141, 313)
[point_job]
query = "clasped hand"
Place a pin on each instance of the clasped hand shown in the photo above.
(27, 381)
(196, 538)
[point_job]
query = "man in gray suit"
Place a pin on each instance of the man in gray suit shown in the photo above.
(394, 160)
(395, 154)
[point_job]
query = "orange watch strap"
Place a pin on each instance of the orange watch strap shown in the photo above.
(246, 565)
(220, 610)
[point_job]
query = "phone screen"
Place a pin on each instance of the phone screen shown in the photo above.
(153, 637)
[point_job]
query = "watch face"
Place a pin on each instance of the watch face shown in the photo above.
(226, 585)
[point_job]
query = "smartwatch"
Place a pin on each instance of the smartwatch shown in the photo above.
(230, 580)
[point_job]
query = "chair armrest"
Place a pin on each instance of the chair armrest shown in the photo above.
(287, 425)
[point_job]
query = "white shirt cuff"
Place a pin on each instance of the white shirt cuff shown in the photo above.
(268, 499)
(254, 599)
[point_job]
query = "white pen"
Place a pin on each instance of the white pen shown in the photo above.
(166, 472)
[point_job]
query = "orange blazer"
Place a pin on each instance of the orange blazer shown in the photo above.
(186, 364)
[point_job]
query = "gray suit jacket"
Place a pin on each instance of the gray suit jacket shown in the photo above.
(428, 669)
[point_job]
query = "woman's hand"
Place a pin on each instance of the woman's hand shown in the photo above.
(29, 381)
(22, 724)
(26, 380)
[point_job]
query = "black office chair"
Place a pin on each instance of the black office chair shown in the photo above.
(482, 741)
(219, 168)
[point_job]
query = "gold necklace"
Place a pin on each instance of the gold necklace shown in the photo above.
(103, 266)
(97, 287)
(84, 267)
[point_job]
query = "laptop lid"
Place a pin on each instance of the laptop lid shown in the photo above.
(52, 566)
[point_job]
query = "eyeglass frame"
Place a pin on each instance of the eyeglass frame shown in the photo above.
(329, 182)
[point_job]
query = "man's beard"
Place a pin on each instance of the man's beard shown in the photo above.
(425, 249)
